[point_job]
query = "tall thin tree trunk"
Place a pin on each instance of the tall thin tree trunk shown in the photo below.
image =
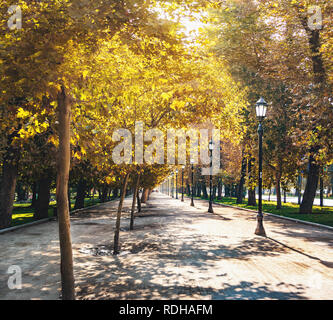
(321, 188)
(135, 192)
(278, 192)
(138, 200)
(63, 164)
(120, 206)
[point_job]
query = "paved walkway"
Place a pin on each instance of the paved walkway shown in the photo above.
(175, 252)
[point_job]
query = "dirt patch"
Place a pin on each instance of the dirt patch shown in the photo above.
(100, 250)
(88, 223)
(107, 250)
(144, 247)
(152, 215)
(22, 244)
(143, 227)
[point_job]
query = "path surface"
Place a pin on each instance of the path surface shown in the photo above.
(175, 252)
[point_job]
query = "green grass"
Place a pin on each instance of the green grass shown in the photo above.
(23, 213)
(319, 215)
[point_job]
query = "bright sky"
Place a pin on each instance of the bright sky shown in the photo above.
(191, 27)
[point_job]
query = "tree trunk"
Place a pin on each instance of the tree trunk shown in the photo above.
(240, 189)
(43, 200)
(93, 195)
(204, 190)
(188, 187)
(80, 194)
(120, 206)
(104, 194)
(251, 201)
(214, 193)
(320, 80)
(115, 193)
(69, 199)
(21, 192)
(144, 195)
(284, 196)
(219, 190)
(233, 191)
(135, 192)
(278, 192)
(199, 190)
(63, 164)
(310, 188)
(138, 200)
(34, 195)
(227, 191)
(7, 195)
(321, 191)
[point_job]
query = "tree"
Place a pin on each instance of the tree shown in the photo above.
(270, 54)
(135, 192)
(310, 93)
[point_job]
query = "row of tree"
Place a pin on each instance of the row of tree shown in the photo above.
(274, 49)
(79, 70)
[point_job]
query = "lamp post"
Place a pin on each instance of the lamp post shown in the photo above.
(211, 147)
(261, 108)
(183, 167)
(192, 193)
(176, 184)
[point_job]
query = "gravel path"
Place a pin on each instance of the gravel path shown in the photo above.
(175, 252)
